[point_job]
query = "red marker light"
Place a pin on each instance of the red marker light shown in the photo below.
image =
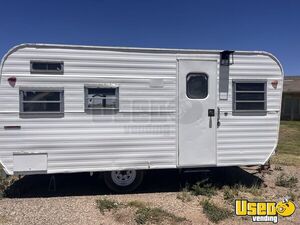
(274, 83)
(12, 81)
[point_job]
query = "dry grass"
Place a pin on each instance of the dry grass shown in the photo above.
(286, 159)
(213, 212)
(107, 205)
(136, 204)
(203, 188)
(184, 195)
(289, 141)
(229, 193)
(288, 149)
(156, 216)
(283, 180)
(143, 213)
(4, 183)
(254, 189)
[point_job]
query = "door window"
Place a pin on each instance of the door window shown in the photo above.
(197, 85)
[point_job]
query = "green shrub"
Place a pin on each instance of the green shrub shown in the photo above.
(230, 193)
(143, 213)
(106, 204)
(213, 212)
(156, 216)
(8, 185)
(184, 195)
(203, 189)
(136, 204)
(254, 189)
(4, 183)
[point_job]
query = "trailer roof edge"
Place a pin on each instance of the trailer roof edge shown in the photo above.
(130, 49)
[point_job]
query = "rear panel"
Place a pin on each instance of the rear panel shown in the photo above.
(250, 139)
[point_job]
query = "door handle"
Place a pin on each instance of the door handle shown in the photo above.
(218, 118)
(211, 113)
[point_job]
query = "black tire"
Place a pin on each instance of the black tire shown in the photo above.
(125, 188)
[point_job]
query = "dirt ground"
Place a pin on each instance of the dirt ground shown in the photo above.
(74, 202)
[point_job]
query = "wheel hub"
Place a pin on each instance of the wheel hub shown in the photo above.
(124, 177)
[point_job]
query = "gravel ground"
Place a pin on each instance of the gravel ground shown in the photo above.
(74, 202)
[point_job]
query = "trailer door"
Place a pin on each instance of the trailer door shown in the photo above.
(197, 112)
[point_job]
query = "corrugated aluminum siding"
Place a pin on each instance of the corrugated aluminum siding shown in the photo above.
(143, 134)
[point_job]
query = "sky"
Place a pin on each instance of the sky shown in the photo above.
(269, 25)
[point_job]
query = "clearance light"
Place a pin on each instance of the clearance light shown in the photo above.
(12, 81)
(274, 84)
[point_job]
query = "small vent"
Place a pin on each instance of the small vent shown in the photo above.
(47, 67)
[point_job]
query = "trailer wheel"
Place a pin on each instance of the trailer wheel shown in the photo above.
(123, 181)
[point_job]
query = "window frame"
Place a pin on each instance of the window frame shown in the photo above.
(187, 89)
(103, 110)
(256, 112)
(34, 71)
(41, 114)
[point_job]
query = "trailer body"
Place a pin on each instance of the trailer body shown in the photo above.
(67, 109)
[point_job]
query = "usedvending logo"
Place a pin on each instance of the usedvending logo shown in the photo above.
(264, 211)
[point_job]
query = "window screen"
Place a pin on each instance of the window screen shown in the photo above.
(46, 67)
(197, 85)
(249, 97)
(101, 98)
(39, 101)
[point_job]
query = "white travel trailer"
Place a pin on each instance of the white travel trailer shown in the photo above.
(67, 109)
